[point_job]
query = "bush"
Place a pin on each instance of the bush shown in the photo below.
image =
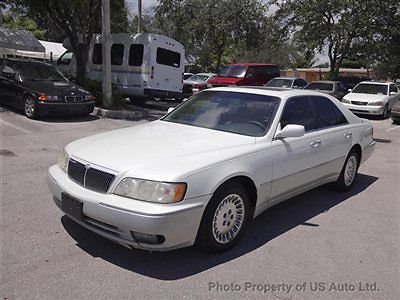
(95, 87)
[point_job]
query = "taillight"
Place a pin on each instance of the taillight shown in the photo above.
(42, 97)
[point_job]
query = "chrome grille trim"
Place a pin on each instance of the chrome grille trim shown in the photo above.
(89, 177)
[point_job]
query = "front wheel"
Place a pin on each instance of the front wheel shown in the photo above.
(349, 172)
(224, 219)
(30, 107)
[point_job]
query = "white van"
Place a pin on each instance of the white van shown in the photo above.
(143, 65)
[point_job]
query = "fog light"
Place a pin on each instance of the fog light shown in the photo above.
(147, 238)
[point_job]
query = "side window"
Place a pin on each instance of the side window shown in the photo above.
(251, 73)
(267, 72)
(65, 59)
(302, 82)
(117, 54)
(341, 87)
(393, 88)
(136, 55)
(168, 58)
(97, 58)
(326, 113)
(298, 111)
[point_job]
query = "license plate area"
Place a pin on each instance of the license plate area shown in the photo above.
(72, 206)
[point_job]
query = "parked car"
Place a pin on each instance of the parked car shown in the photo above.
(39, 88)
(237, 152)
(351, 81)
(334, 88)
(196, 83)
(395, 113)
(287, 82)
(244, 74)
(372, 98)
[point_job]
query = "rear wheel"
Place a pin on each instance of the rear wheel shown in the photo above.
(30, 107)
(224, 219)
(349, 172)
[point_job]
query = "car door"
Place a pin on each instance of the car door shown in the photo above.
(394, 95)
(8, 86)
(295, 159)
(335, 134)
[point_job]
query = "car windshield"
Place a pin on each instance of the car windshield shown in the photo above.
(323, 86)
(367, 88)
(39, 72)
(280, 82)
(241, 113)
(232, 71)
(198, 78)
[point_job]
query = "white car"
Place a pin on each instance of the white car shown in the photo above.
(372, 98)
(202, 172)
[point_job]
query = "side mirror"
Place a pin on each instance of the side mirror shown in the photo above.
(290, 130)
(170, 109)
(349, 90)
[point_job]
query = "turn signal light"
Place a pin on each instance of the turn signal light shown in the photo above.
(42, 97)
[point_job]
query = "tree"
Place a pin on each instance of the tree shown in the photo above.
(14, 20)
(76, 19)
(210, 29)
(335, 25)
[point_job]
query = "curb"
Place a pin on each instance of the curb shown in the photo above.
(120, 114)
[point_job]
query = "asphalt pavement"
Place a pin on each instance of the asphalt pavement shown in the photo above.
(319, 245)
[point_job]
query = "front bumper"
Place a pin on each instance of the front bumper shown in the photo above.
(50, 108)
(115, 217)
(365, 109)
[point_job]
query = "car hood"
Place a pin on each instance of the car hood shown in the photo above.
(148, 146)
(364, 97)
(224, 81)
(54, 87)
(191, 82)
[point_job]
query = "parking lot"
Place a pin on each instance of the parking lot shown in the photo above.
(321, 244)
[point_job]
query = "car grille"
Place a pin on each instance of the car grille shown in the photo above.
(73, 98)
(358, 103)
(90, 178)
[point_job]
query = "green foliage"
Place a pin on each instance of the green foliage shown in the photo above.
(95, 87)
(212, 29)
(14, 20)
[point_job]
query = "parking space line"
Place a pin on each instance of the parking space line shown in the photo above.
(15, 126)
(393, 128)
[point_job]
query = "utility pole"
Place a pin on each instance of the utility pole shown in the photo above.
(1, 16)
(139, 28)
(106, 54)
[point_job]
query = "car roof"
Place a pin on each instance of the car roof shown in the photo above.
(375, 82)
(25, 61)
(325, 81)
(282, 93)
(287, 77)
(207, 74)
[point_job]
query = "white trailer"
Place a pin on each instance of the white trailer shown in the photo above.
(143, 65)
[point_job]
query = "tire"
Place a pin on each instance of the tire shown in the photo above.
(385, 113)
(30, 107)
(224, 219)
(349, 172)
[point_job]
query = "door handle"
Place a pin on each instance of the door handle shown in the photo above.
(348, 135)
(315, 144)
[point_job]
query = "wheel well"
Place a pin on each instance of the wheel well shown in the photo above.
(357, 149)
(250, 187)
(27, 94)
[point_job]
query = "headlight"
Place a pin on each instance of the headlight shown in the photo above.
(345, 100)
(63, 160)
(376, 103)
(152, 191)
(88, 98)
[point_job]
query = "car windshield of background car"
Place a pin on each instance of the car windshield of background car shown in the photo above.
(37, 72)
(375, 89)
(241, 113)
(232, 71)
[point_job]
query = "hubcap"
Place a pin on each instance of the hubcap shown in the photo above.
(228, 218)
(29, 107)
(350, 170)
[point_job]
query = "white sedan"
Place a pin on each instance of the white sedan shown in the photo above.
(372, 98)
(202, 172)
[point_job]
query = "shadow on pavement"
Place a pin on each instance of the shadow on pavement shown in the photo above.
(181, 263)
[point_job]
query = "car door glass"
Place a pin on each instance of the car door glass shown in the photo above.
(326, 113)
(298, 111)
